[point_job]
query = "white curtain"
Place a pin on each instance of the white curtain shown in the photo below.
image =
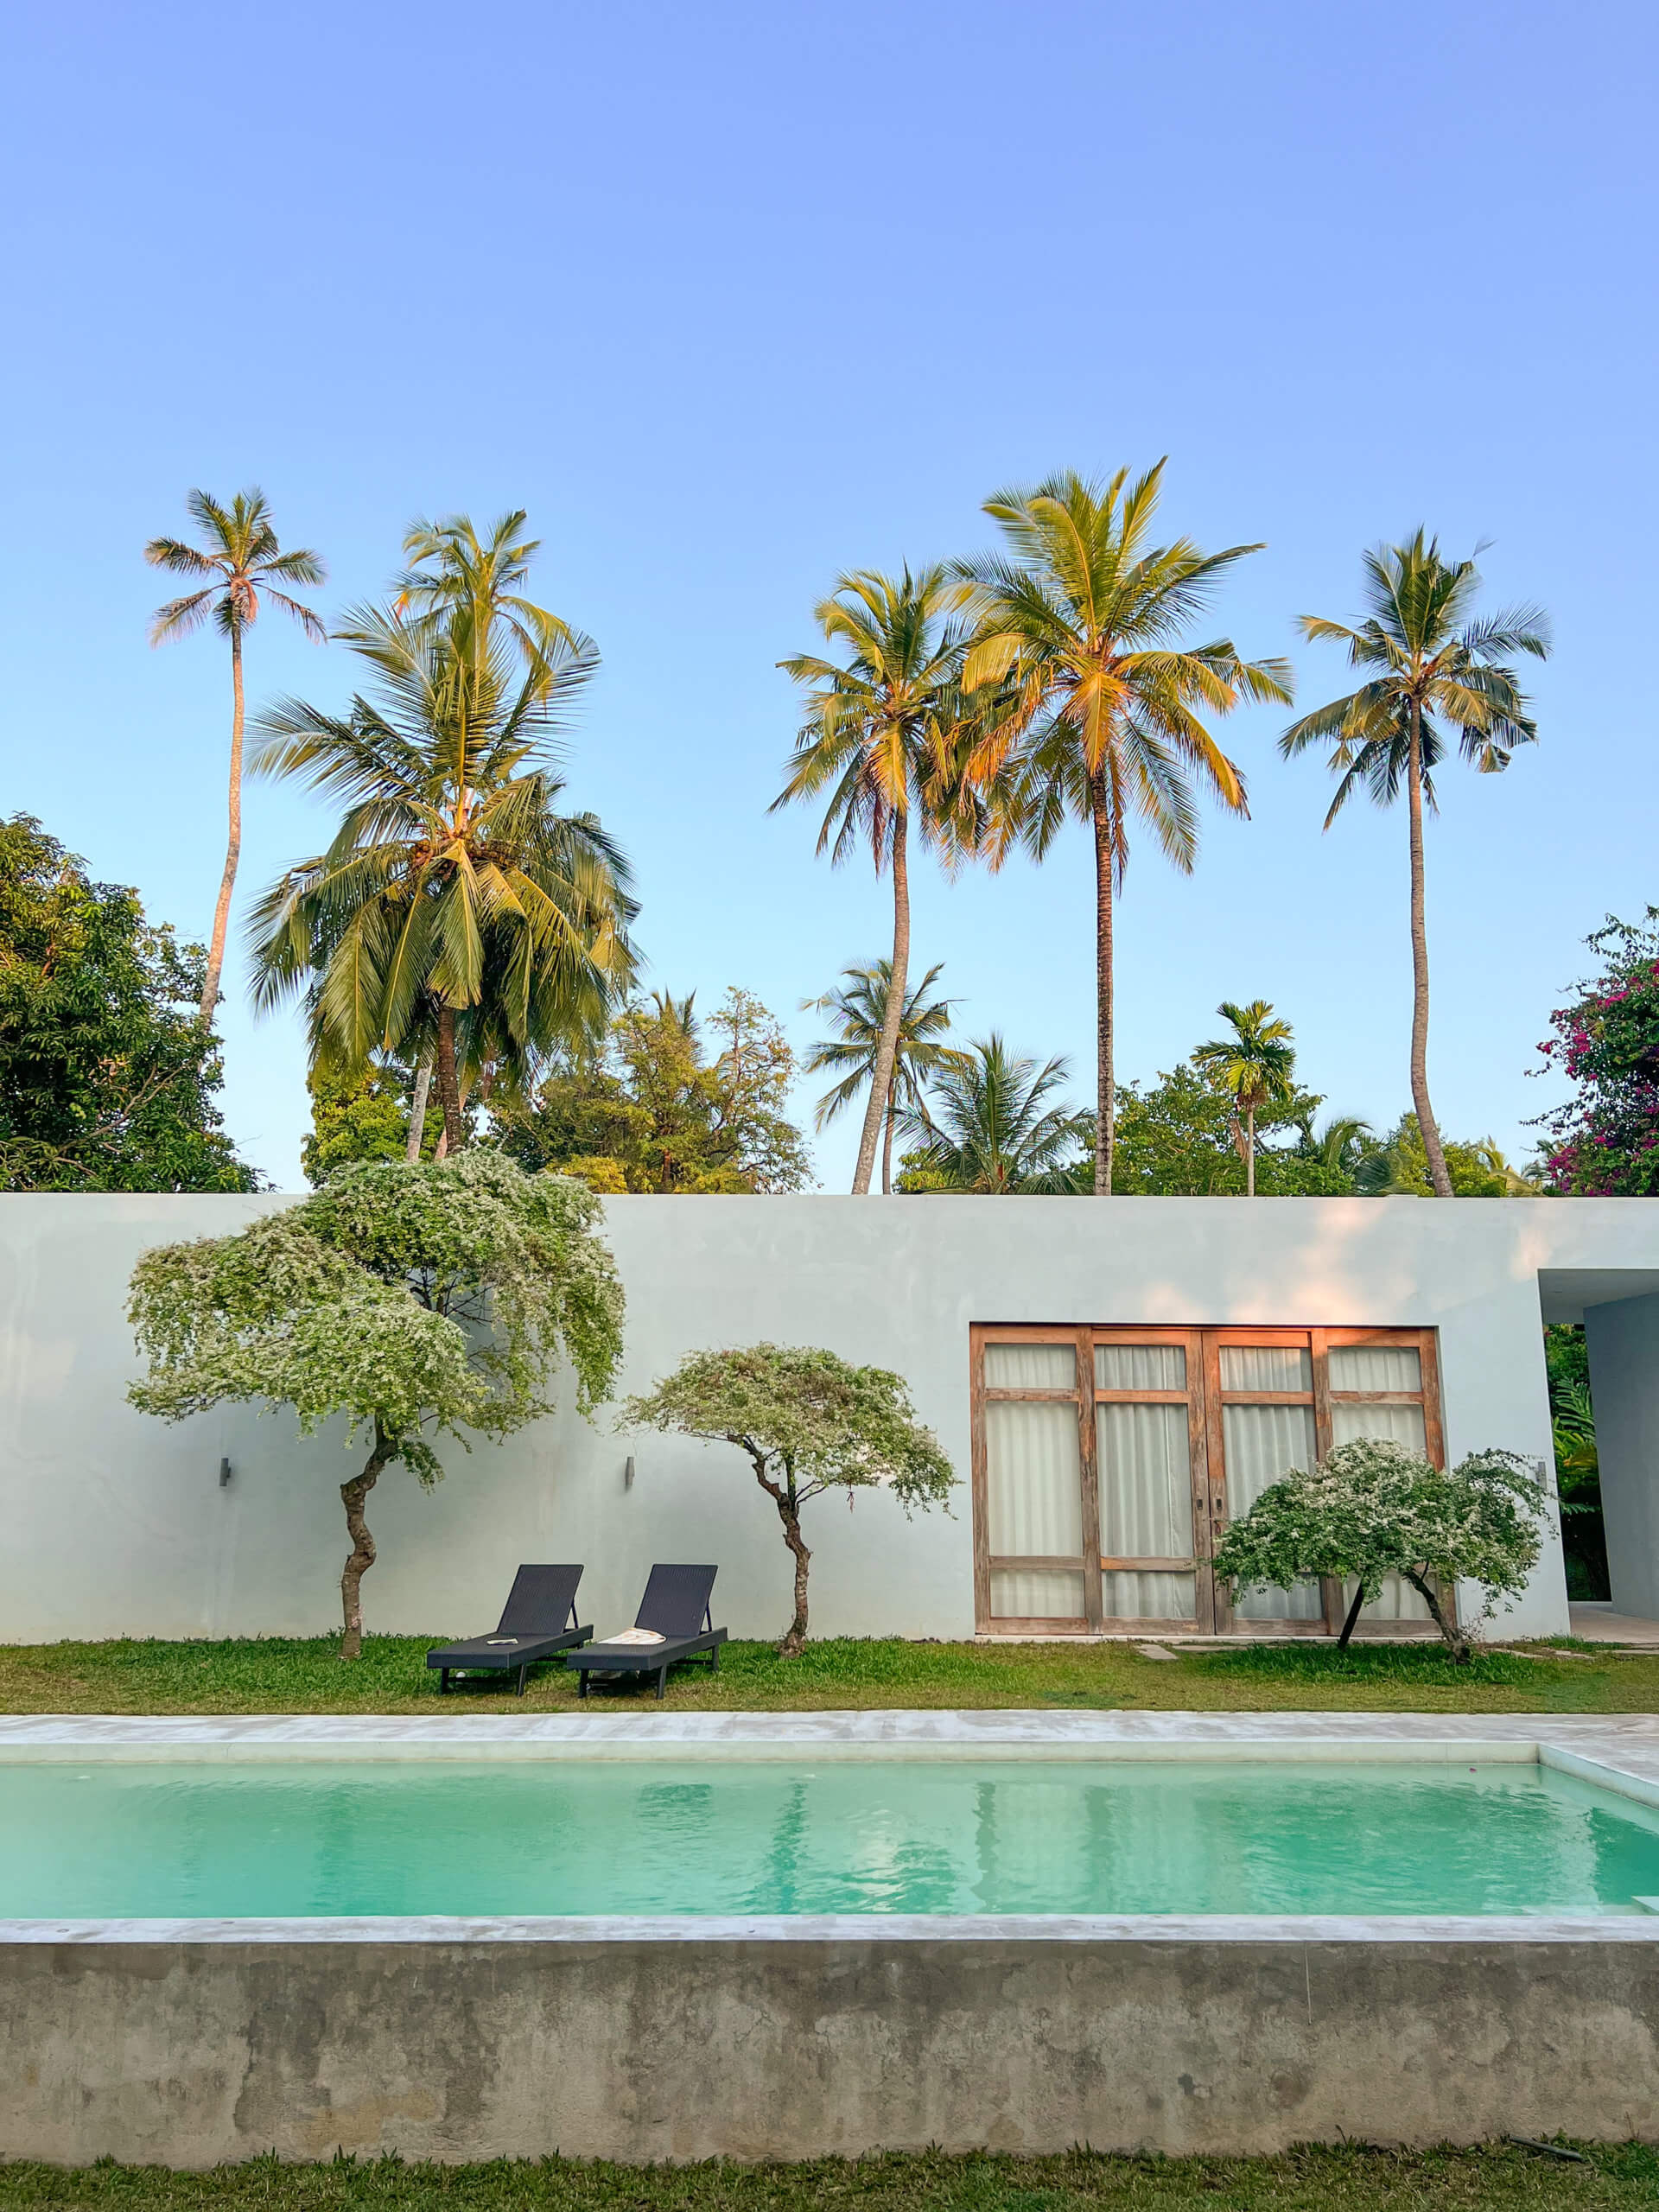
(1266, 1367)
(1262, 1445)
(1396, 1601)
(1033, 1499)
(1140, 1367)
(1030, 1367)
(1375, 1367)
(1146, 1505)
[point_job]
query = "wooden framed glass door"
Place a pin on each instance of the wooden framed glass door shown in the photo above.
(1108, 1460)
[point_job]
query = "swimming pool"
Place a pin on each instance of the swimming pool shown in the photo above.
(790, 1836)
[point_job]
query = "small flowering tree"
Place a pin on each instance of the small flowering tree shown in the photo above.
(1373, 1509)
(1604, 1142)
(810, 1423)
(415, 1299)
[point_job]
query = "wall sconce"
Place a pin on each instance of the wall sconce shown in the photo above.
(223, 1474)
(627, 1473)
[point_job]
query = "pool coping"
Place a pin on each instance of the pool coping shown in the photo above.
(1617, 1752)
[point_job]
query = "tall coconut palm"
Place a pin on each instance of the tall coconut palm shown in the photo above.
(879, 733)
(1095, 705)
(239, 563)
(992, 1127)
(1429, 658)
(1254, 1066)
(858, 1008)
(457, 910)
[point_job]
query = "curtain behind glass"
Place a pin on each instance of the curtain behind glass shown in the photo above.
(1375, 1367)
(1033, 1506)
(1266, 1367)
(1030, 1367)
(1146, 1507)
(1396, 1601)
(1140, 1367)
(1262, 1445)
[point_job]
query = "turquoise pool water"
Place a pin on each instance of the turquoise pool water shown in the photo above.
(191, 1840)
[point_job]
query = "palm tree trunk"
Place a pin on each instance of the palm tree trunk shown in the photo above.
(362, 1555)
(232, 842)
(1437, 1169)
(1249, 1152)
(417, 1110)
(449, 1079)
(887, 1143)
(887, 1050)
(1106, 1092)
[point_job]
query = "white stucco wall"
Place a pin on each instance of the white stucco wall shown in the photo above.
(113, 1523)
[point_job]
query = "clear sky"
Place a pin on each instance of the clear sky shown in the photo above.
(734, 297)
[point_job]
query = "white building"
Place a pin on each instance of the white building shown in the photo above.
(1112, 1381)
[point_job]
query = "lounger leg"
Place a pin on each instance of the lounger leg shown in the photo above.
(443, 1681)
(662, 1682)
(521, 1681)
(714, 1659)
(582, 1682)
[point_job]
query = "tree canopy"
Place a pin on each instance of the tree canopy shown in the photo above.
(414, 1300)
(810, 1422)
(108, 1080)
(1372, 1509)
(1603, 1141)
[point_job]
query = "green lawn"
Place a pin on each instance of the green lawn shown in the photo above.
(302, 1675)
(1498, 2179)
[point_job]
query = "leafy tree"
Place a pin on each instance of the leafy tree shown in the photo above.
(810, 1423)
(1603, 1141)
(458, 910)
(1095, 706)
(1373, 1509)
(1180, 1139)
(1398, 1167)
(107, 1083)
(367, 1116)
(416, 1302)
(990, 1127)
(881, 732)
(240, 561)
(655, 1110)
(1426, 657)
(858, 1008)
(1254, 1066)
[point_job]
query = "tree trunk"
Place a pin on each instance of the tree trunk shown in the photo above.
(887, 1147)
(417, 1110)
(361, 1558)
(1249, 1152)
(1438, 1175)
(1105, 1084)
(887, 1050)
(795, 1640)
(449, 1079)
(1353, 1615)
(232, 842)
(1457, 1642)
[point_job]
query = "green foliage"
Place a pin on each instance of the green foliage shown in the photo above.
(418, 1299)
(814, 1422)
(1180, 1139)
(107, 1082)
(1373, 1509)
(1603, 1141)
(362, 1117)
(1399, 1168)
(655, 1111)
(993, 1128)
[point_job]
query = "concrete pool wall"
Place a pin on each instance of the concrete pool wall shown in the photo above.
(189, 2042)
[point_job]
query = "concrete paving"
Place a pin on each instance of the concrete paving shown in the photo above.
(1599, 1623)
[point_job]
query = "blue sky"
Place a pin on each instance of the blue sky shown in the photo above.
(731, 298)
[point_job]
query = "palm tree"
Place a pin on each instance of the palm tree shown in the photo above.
(1339, 1145)
(1254, 1066)
(990, 1127)
(1429, 660)
(858, 1007)
(457, 910)
(240, 562)
(1095, 707)
(879, 733)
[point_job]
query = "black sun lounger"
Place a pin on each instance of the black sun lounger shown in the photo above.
(538, 1622)
(676, 1604)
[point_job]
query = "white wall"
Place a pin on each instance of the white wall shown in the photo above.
(114, 1524)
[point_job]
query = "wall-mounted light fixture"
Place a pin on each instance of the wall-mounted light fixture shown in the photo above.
(627, 1473)
(224, 1473)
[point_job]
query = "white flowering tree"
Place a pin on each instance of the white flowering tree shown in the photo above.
(810, 1423)
(418, 1301)
(1372, 1509)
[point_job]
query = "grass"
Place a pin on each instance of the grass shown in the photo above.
(305, 1675)
(1498, 2177)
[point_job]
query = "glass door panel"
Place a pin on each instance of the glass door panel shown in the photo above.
(1033, 1505)
(1146, 1508)
(1260, 1444)
(1353, 1418)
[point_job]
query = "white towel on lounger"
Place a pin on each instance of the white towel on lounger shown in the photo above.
(637, 1636)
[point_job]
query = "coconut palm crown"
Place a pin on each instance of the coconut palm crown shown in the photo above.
(858, 1006)
(994, 1125)
(1431, 664)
